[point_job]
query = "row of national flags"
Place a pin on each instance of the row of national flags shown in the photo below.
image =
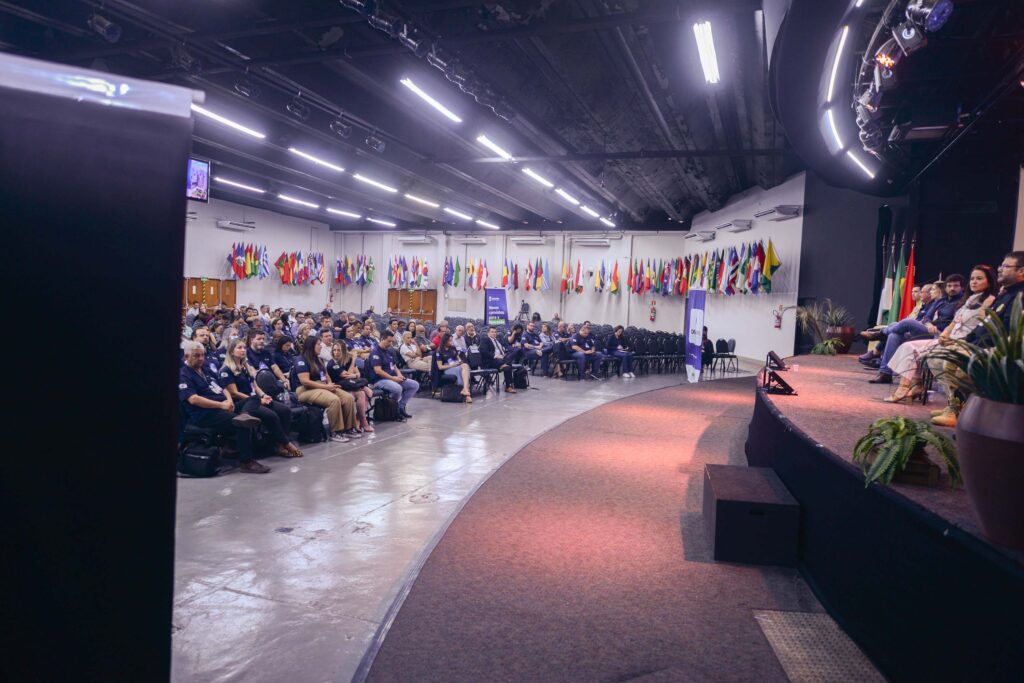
(248, 261)
(410, 273)
(295, 269)
(898, 274)
(474, 276)
(747, 268)
(354, 271)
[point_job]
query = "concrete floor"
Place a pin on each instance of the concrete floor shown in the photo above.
(287, 576)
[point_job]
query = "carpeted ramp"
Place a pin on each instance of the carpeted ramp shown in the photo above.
(584, 558)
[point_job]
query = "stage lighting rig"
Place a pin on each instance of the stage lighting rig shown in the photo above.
(410, 38)
(362, 6)
(376, 144)
(109, 31)
(246, 88)
(391, 25)
(929, 15)
(340, 128)
(298, 108)
(909, 37)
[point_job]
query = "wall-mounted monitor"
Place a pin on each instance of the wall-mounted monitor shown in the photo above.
(198, 180)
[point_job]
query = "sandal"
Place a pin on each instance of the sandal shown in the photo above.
(468, 397)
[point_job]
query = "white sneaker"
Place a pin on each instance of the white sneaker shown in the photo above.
(339, 437)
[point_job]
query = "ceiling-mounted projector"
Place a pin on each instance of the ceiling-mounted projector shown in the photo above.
(237, 226)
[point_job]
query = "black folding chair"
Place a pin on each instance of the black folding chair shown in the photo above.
(480, 378)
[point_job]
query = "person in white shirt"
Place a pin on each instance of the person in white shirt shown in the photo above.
(414, 358)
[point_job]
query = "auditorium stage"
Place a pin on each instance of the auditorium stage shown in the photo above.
(904, 569)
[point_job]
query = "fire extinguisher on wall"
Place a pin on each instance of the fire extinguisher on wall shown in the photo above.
(654, 311)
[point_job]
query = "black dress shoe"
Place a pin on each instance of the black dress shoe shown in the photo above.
(873, 364)
(871, 335)
(881, 378)
(404, 413)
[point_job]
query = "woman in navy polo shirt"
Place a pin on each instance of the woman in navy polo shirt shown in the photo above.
(617, 347)
(236, 378)
(284, 354)
(316, 388)
(449, 363)
(343, 372)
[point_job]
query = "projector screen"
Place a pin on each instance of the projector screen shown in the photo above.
(198, 180)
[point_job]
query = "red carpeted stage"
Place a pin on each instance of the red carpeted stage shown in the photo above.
(903, 568)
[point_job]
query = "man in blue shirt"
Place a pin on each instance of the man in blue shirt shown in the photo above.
(584, 351)
(534, 348)
(208, 405)
(385, 374)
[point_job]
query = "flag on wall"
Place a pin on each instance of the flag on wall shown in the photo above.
(771, 264)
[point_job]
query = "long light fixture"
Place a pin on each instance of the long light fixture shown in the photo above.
(539, 178)
(589, 211)
(421, 200)
(492, 226)
(380, 222)
(232, 183)
(835, 131)
(458, 214)
(300, 202)
(607, 222)
(566, 196)
(835, 63)
(315, 160)
(706, 48)
(860, 164)
(227, 122)
(430, 100)
(346, 214)
(371, 181)
(489, 144)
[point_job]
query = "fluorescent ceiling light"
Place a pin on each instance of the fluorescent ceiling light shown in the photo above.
(227, 122)
(458, 214)
(607, 222)
(835, 63)
(483, 140)
(430, 100)
(539, 178)
(320, 162)
(377, 220)
(859, 3)
(590, 211)
(835, 132)
(488, 225)
(566, 196)
(421, 200)
(706, 48)
(346, 214)
(860, 164)
(232, 183)
(301, 202)
(371, 181)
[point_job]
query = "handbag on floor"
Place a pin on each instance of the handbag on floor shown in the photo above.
(198, 460)
(520, 378)
(452, 393)
(309, 425)
(385, 409)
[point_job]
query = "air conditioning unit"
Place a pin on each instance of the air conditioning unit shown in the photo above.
(237, 226)
(469, 240)
(782, 212)
(601, 242)
(415, 239)
(736, 225)
(701, 235)
(522, 241)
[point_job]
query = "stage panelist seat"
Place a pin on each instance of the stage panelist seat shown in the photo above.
(750, 515)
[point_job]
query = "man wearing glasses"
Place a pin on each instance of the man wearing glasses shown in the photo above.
(1009, 276)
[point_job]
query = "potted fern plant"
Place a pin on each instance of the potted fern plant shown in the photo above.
(894, 448)
(828, 324)
(990, 427)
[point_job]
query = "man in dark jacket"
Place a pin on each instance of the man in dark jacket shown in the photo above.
(497, 355)
(1009, 276)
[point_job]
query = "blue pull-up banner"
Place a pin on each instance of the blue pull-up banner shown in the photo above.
(495, 307)
(695, 300)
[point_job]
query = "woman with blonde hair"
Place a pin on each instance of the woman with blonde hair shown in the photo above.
(343, 371)
(412, 355)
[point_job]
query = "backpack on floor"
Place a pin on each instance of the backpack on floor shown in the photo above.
(198, 460)
(309, 425)
(451, 393)
(520, 378)
(385, 409)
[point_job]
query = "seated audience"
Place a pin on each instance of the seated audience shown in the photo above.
(707, 349)
(472, 339)
(343, 372)
(618, 348)
(584, 351)
(261, 357)
(435, 338)
(928, 298)
(326, 342)
(459, 340)
(562, 332)
(547, 347)
(412, 355)
(370, 332)
(1010, 278)
(393, 325)
(533, 347)
(496, 355)
(315, 387)
(284, 355)
(237, 378)
(207, 406)
(384, 373)
(450, 363)
(410, 327)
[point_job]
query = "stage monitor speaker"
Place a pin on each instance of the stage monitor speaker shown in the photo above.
(774, 362)
(774, 384)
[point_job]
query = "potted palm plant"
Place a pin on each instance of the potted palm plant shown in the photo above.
(837, 321)
(990, 427)
(894, 448)
(828, 324)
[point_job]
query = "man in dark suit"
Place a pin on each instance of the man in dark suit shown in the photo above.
(495, 354)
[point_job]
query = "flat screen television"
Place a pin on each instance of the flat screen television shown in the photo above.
(198, 180)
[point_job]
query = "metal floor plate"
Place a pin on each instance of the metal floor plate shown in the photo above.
(813, 649)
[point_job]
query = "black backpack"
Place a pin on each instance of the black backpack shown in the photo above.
(520, 378)
(451, 393)
(385, 409)
(309, 425)
(198, 460)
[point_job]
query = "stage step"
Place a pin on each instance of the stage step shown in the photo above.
(750, 515)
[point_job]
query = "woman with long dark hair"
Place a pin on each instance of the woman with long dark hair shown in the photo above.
(450, 363)
(316, 388)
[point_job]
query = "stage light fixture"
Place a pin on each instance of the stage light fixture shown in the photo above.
(909, 37)
(884, 78)
(376, 144)
(492, 226)
(340, 128)
(107, 29)
(374, 183)
(930, 15)
(361, 6)
(346, 214)
(458, 214)
(246, 88)
(489, 144)
(240, 186)
(590, 212)
(393, 26)
(226, 121)
(872, 140)
(835, 63)
(300, 202)
(298, 108)
(607, 222)
(381, 222)
(421, 200)
(706, 48)
(448, 113)
(566, 196)
(439, 59)
(315, 160)
(411, 39)
(539, 178)
(888, 54)
(184, 60)
(860, 164)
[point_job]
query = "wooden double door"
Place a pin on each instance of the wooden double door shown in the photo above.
(420, 304)
(209, 291)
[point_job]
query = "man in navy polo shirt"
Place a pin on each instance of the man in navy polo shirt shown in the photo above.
(386, 375)
(261, 357)
(584, 351)
(208, 405)
(534, 348)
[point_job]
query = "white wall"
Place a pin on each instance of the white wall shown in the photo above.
(748, 319)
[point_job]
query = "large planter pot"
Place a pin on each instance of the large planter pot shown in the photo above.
(990, 445)
(845, 334)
